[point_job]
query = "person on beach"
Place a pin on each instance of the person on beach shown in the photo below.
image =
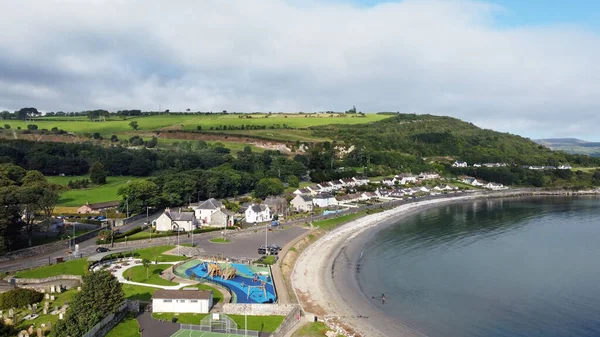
(382, 299)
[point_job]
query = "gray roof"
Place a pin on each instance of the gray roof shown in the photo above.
(258, 208)
(180, 216)
(323, 196)
(273, 200)
(305, 198)
(211, 203)
(182, 294)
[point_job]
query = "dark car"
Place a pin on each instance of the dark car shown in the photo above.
(102, 250)
(274, 247)
(262, 250)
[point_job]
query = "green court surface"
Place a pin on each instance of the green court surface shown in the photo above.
(196, 333)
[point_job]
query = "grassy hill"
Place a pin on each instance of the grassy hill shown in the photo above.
(102, 193)
(437, 136)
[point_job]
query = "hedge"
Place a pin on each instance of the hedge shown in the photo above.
(19, 298)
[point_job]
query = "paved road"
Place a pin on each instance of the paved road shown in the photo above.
(86, 248)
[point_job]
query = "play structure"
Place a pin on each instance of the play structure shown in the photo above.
(214, 270)
(260, 287)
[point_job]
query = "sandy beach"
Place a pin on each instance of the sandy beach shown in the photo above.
(324, 278)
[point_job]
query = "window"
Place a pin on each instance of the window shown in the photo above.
(167, 301)
(194, 301)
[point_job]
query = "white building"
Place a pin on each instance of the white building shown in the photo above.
(183, 221)
(302, 203)
(361, 180)
(428, 176)
(302, 191)
(324, 200)
(182, 301)
(257, 213)
(565, 167)
(206, 209)
(460, 164)
(406, 178)
(495, 186)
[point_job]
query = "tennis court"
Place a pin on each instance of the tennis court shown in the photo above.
(196, 333)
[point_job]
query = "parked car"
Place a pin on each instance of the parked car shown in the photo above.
(274, 247)
(102, 250)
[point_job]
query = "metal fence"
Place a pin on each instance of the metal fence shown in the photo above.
(206, 328)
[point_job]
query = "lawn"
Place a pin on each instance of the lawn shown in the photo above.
(585, 169)
(301, 185)
(156, 254)
(102, 193)
(72, 267)
(128, 327)
(190, 122)
(330, 223)
(217, 295)
(138, 274)
(136, 292)
(220, 240)
(317, 329)
(257, 323)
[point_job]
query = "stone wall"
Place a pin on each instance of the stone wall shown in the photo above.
(292, 318)
(259, 309)
(109, 322)
(43, 280)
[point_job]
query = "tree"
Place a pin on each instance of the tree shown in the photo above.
(199, 127)
(98, 173)
(25, 113)
(139, 194)
(114, 138)
(7, 126)
(32, 127)
(267, 187)
(146, 264)
(10, 218)
(152, 143)
(134, 125)
(292, 180)
(101, 295)
(96, 135)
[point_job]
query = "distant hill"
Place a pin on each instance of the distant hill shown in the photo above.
(572, 145)
(408, 137)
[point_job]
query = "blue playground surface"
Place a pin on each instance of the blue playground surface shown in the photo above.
(246, 276)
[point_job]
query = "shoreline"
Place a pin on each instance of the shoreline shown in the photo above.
(326, 287)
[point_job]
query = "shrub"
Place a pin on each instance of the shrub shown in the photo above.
(19, 298)
(7, 126)
(32, 127)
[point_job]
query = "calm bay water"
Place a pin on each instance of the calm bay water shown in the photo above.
(500, 268)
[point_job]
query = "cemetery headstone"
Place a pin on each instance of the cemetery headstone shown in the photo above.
(61, 316)
(34, 309)
(52, 289)
(52, 298)
(45, 311)
(30, 330)
(11, 313)
(47, 296)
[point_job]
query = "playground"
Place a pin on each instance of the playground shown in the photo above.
(248, 284)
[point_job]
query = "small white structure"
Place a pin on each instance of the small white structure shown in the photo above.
(324, 200)
(257, 213)
(206, 209)
(495, 186)
(361, 180)
(406, 178)
(182, 221)
(460, 164)
(182, 301)
(471, 181)
(428, 176)
(565, 167)
(302, 203)
(389, 181)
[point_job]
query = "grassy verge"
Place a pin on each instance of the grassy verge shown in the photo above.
(217, 295)
(268, 259)
(220, 240)
(138, 274)
(156, 254)
(72, 267)
(258, 323)
(331, 223)
(128, 327)
(312, 330)
(135, 292)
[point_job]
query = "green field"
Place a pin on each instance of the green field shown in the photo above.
(73, 267)
(138, 274)
(257, 323)
(585, 169)
(317, 329)
(330, 223)
(135, 292)
(190, 122)
(102, 193)
(155, 254)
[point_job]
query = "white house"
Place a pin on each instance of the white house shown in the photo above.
(460, 164)
(348, 198)
(324, 200)
(389, 181)
(428, 176)
(206, 209)
(565, 167)
(495, 186)
(302, 203)
(257, 213)
(476, 165)
(406, 178)
(348, 182)
(182, 301)
(368, 195)
(361, 180)
(336, 184)
(325, 187)
(183, 221)
(471, 181)
(303, 190)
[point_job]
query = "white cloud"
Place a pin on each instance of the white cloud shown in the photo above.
(440, 57)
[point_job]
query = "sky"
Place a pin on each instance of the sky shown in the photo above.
(525, 67)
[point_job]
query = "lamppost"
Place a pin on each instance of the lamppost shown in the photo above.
(69, 242)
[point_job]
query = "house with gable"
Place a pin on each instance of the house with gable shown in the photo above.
(176, 221)
(303, 191)
(428, 176)
(389, 181)
(348, 182)
(222, 218)
(302, 203)
(324, 200)
(361, 180)
(206, 209)
(460, 164)
(278, 205)
(257, 213)
(406, 178)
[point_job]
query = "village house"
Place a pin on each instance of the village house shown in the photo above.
(382, 192)
(302, 203)
(206, 209)
(428, 176)
(182, 301)
(389, 181)
(97, 207)
(460, 164)
(348, 182)
(257, 213)
(565, 167)
(368, 195)
(348, 198)
(278, 205)
(406, 178)
(222, 218)
(177, 221)
(495, 186)
(361, 180)
(324, 200)
(302, 191)
(335, 185)
(477, 165)
(324, 187)
(471, 181)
